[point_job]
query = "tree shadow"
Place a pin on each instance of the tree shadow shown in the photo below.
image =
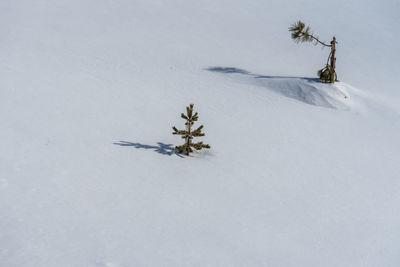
(161, 148)
(257, 76)
(228, 70)
(304, 89)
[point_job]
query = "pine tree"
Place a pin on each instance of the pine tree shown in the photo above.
(301, 34)
(189, 134)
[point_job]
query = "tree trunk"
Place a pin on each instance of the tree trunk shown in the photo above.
(188, 138)
(333, 57)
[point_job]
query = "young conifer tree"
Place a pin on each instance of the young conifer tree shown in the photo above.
(189, 133)
(301, 34)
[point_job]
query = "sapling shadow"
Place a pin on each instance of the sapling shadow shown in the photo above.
(161, 148)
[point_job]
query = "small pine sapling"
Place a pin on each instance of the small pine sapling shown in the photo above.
(189, 134)
(301, 34)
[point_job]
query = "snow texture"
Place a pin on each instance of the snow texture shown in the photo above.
(300, 173)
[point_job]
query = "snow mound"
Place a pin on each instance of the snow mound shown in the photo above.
(307, 90)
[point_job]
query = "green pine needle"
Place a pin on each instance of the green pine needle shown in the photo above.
(189, 134)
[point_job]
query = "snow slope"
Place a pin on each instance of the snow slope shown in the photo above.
(299, 174)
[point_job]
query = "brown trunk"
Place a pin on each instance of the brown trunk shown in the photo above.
(188, 138)
(333, 57)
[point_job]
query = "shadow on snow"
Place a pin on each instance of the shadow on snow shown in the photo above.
(304, 89)
(242, 71)
(161, 148)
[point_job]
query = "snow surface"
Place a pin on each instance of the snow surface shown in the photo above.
(300, 173)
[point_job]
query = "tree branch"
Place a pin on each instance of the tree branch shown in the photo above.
(316, 39)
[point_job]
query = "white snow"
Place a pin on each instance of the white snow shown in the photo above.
(300, 173)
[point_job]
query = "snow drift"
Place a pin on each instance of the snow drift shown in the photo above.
(303, 89)
(298, 175)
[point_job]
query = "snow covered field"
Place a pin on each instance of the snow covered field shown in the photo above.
(298, 175)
